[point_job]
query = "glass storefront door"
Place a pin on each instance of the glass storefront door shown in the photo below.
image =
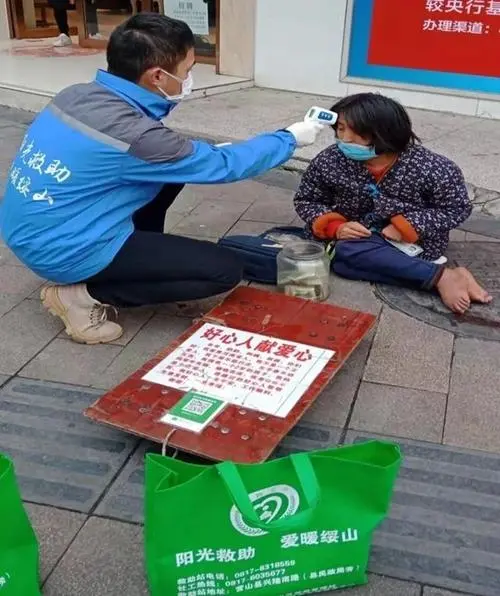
(34, 19)
(94, 20)
(100, 17)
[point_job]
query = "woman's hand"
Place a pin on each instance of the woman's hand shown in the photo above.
(352, 230)
(390, 232)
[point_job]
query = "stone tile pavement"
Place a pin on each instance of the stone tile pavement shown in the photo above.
(438, 395)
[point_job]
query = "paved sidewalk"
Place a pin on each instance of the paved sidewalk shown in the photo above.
(436, 393)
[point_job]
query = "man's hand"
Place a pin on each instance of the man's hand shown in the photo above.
(352, 230)
(305, 133)
(390, 232)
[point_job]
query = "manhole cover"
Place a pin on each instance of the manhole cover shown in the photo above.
(483, 259)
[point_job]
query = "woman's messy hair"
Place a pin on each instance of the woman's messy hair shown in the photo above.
(379, 119)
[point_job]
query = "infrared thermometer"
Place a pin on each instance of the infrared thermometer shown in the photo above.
(321, 116)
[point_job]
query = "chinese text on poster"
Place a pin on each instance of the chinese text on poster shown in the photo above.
(452, 36)
(247, 369)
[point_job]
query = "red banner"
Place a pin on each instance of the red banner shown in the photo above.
(456, 36)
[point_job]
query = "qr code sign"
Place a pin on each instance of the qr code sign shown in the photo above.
(197, 406)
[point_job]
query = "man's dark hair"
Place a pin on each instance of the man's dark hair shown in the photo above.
(381, 119)
(147, 40)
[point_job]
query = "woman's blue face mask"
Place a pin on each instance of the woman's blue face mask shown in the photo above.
(356, 152)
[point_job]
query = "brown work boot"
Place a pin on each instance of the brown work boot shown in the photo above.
(86, 320)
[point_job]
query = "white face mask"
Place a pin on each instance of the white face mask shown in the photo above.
(187, 87)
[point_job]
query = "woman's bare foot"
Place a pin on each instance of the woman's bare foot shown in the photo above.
(476, 292)
(454, 291)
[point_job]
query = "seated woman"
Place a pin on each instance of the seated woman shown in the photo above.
(377, 183)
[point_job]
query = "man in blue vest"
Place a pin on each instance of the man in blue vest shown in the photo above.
(97, 170)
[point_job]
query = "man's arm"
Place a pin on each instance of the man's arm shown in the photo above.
(161, 155)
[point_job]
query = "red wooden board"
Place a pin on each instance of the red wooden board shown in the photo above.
(239, 435)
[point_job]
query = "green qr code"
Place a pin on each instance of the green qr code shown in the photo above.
(197, 406)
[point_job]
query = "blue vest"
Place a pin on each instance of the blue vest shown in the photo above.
(94, 156)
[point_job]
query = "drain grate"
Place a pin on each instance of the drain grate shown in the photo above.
(61, 458)
(125, 498)
(444, 526)
(482, 322)
(308, 436)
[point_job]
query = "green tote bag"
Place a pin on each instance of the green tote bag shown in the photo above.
(296, 525)
(18, 543)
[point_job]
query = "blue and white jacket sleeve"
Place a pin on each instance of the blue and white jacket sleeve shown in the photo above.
(162, 155)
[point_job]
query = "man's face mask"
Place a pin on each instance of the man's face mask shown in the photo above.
(356, 152)
(187, 87)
